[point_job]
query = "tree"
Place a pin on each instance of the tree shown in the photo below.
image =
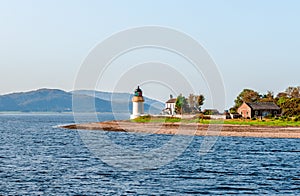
(293, 92)
(192, 101)
(187, 105)
(289, 101)
(269, 97)
(282, 94)
(247, 95)
(181, 104)
(195, 102)
(200, 101)
(233, 110)
(290, 106)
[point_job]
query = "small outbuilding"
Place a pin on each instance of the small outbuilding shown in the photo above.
(258, 109)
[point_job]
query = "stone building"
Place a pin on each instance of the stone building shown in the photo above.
(258, 109)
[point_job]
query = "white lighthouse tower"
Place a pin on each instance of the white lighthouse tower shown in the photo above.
(137, 103)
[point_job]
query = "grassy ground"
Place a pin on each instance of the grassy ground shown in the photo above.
(264, 122)
(143, 119)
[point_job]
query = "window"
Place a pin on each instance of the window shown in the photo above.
(265, 113)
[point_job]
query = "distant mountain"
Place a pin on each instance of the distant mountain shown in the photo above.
(121, 102)
(55, 100)
(116, 97)
(40, 101)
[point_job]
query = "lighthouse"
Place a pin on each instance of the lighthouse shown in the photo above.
(137, 103)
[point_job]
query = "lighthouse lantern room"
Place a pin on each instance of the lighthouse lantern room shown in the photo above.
(137, 103)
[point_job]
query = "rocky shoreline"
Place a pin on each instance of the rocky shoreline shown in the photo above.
(191, 129)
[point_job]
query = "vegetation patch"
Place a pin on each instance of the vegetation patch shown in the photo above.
(264, 122)
(152, 119)
(280, 122)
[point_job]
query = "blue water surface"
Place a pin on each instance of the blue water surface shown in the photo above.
(37, 158)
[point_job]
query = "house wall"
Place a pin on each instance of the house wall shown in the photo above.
(172, 107)
(245, 111)
(265, 112)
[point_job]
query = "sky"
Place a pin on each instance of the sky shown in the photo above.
(255, 44)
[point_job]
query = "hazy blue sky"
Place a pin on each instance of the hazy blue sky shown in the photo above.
(255, 43)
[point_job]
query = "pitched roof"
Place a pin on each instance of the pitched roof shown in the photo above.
(173, 100)
(263, 106)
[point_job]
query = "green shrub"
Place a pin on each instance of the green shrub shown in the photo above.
(145, 118)
(283, 118)
(253, 118)
(269, 116)
(297, 118)
(206, 118)
(172, 119)
(201, 117)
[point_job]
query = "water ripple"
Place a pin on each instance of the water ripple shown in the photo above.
(36, 158)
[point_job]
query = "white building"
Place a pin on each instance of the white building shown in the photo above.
(170, 105)
(137, 104)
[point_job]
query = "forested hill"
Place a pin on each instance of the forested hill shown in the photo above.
(55, 100)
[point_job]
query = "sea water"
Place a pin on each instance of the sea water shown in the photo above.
(38, 158)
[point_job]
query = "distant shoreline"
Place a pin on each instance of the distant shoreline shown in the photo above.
(191, 129)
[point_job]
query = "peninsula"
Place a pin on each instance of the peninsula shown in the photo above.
(199, 129)
(259, 119)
